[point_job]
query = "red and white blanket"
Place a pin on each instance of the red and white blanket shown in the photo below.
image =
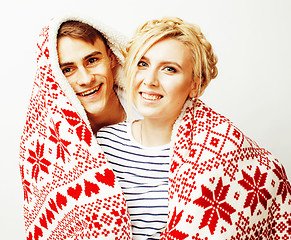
(69, 190)
(222, 184)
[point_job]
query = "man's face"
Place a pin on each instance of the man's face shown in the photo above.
(88, 68)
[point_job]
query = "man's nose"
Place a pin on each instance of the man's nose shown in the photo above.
(84, 76)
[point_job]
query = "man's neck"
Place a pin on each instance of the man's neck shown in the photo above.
(114, 113)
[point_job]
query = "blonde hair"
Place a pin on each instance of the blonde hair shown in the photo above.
(204, 60)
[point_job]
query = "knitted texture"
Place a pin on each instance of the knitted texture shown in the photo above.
(222, 184)
(69, 190)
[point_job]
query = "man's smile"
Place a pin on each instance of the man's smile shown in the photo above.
(90, 91)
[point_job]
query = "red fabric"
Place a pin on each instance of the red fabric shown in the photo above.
(69, 190)
(222, 184)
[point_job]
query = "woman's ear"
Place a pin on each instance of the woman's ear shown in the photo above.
(194, 88)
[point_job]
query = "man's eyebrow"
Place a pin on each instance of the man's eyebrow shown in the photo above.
(62, 65)
(95, 53)
(92, 54)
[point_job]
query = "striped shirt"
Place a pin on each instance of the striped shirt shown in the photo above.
(143, 174)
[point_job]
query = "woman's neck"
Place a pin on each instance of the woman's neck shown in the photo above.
(151, 133)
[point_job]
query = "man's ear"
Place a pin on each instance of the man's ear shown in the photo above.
(113, 60)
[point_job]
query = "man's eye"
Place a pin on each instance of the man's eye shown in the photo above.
(66, 71)
(142, 64)
(92, 60)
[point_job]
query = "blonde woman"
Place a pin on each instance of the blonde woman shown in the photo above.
(186, 171)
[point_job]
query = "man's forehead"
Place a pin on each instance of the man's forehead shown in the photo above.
(72, 49)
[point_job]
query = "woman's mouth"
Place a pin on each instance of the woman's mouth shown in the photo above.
(89, 92)
(151, 97)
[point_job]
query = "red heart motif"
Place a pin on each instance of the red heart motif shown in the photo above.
(90, 187)
(61, 200)
(75, 192)
(108, 178)
(42, 221)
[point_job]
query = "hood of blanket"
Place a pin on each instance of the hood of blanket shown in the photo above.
(116, 41)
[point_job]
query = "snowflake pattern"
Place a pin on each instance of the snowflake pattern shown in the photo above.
(215, 205)
(241, 202)
(62, 145)
(171, 232)
(284, 185)
(221, 182)
(36, 158)
(256, 191)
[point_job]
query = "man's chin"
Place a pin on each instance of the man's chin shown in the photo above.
(95, 109)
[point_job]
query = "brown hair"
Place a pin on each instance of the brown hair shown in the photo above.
(80, 30)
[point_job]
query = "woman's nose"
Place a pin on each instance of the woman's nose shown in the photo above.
(151, 78)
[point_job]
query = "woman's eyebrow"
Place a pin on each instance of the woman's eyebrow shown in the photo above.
(172, 63)
(144, 58)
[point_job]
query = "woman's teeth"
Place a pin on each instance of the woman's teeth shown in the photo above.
(92, 91)
(150, 96)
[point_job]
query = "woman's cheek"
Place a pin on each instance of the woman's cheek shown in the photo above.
(138, 78)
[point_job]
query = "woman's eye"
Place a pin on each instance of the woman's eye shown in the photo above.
(170, 69)
(142, 64)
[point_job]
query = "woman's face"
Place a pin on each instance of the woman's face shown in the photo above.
(163, 80)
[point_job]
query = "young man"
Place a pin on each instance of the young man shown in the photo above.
(70, 191)
(88, 64)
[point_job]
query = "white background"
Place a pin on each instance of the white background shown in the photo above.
(251, 39)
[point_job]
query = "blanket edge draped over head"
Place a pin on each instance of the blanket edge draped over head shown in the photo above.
(222, 184)
(70, 192)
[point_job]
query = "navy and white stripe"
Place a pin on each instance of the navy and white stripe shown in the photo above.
(143, 174)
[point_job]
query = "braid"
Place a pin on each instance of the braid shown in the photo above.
(204, 59)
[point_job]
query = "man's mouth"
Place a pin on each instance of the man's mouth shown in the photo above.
(147, 96)
(89, 92)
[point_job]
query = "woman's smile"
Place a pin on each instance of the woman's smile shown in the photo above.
(150, 96)
(163, 80)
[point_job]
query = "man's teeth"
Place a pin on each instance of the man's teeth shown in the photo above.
(150, 96)
(83, 94)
